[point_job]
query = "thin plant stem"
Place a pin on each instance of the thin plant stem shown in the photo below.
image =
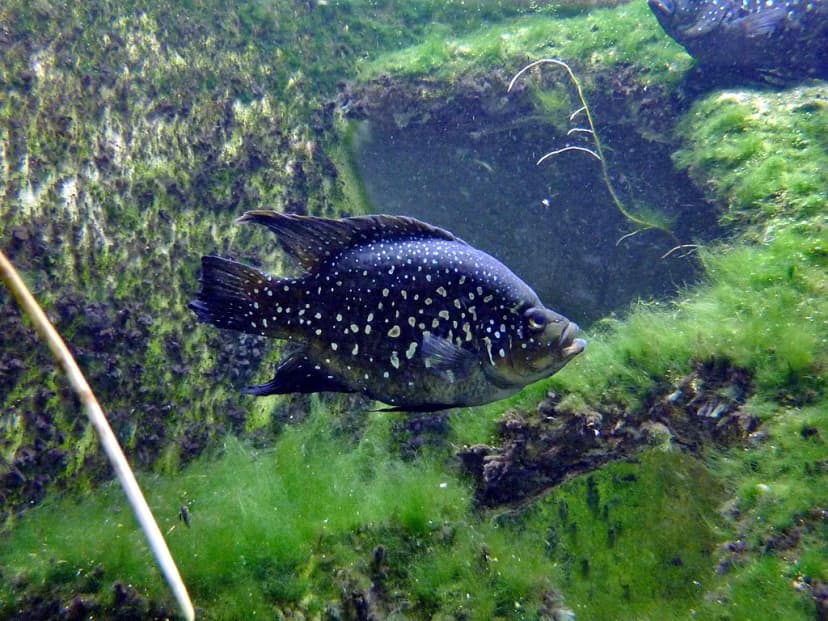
(108, 440)
(689, 247)
(576, 130)
(569, 148)
(598, 153)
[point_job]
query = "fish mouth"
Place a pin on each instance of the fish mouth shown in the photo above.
(570, 346)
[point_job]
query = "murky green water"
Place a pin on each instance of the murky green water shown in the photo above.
(675, 469)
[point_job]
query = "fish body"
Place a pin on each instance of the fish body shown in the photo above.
(785, 39)
(392, 307)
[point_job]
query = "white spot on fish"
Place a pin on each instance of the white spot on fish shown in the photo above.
(488, 343)
(394, 332)
(395, 360)
(409, 353)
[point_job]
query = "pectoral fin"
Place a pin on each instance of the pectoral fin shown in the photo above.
(446, 359)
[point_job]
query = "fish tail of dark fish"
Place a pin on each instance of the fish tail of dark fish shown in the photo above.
(239, 297)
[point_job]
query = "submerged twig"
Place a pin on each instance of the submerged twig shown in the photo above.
(689, 247)
(108, 440)
(576, 113)
(570, 148)
(628, 235)
(598, 152)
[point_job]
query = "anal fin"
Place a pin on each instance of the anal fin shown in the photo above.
(298, 373)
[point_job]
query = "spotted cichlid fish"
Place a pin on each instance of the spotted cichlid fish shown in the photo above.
(392, 307)
(787, 39)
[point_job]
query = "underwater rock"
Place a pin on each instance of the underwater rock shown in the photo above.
(792, 542)
(542, 449)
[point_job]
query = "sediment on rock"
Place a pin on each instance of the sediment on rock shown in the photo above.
(541, 449)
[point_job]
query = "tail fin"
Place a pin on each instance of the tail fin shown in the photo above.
(237, 297)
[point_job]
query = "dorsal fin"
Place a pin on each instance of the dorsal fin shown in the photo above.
(311, 240)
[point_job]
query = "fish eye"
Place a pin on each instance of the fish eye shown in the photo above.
(536, 318)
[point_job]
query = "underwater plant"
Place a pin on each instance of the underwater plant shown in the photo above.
(648, 220)
(107, 437)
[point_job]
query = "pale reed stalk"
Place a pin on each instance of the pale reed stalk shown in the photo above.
(108, 440)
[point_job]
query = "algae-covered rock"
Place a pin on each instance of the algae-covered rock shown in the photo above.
(760, 153)
(123, 160)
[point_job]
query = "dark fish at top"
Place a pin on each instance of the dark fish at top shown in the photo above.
(392, 307)
(784, 39)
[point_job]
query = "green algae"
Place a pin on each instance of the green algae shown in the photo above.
(271, 529)
(605, 37)
(762, 154)
(615, 562)
(267, 523)
(752, 312)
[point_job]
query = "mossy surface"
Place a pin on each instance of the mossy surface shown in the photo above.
(760, 153)
(290, 526)
(603, 37)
